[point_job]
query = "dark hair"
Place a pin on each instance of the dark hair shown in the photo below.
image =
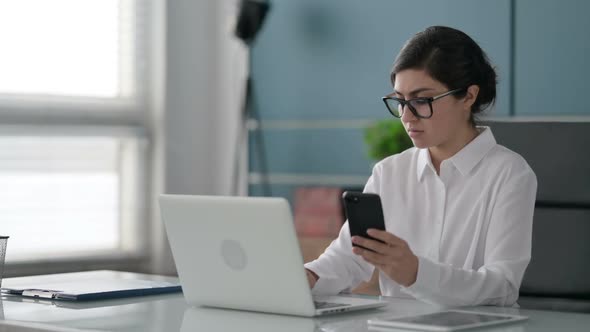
(451, 57)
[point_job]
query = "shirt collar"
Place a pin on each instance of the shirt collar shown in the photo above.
(464, 160)
(424, 162)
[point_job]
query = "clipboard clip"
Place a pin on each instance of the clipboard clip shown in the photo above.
(41, 293)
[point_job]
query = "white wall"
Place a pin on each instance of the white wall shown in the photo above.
(204, 68)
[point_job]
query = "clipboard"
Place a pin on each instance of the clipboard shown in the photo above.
(89, 286)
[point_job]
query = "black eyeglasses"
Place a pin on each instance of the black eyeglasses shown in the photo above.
(420, 107)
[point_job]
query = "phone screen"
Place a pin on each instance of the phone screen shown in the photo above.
(363, 211)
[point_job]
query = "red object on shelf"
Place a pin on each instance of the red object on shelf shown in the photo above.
(318, 211)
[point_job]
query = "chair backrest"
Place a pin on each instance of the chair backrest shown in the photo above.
(559, 154)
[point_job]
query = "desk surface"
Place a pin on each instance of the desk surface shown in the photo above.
(171, 313)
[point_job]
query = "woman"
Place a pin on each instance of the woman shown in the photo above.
(458, 207)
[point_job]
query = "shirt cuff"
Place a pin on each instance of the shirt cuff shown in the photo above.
(326, 284)
(427, 280)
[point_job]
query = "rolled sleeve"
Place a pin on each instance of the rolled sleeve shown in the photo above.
(427, 280)
(338, 268)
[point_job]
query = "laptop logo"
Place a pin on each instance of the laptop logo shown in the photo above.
(233, 254)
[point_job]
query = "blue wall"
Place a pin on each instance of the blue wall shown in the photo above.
(551, 57)
(320, 68)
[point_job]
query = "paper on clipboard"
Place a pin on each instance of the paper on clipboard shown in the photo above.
(94, 287)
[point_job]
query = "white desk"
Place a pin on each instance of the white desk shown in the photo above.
(170, 313)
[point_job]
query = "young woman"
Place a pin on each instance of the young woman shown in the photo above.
(458, 207)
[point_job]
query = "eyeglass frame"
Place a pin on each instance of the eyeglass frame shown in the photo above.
(429, 100)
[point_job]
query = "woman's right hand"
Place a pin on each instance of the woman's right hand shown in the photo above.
(312, 278)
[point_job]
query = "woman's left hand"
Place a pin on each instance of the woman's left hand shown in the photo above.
(393, 256)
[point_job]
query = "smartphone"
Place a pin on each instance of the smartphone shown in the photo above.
(363, 211)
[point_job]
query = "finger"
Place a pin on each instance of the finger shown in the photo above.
(385, 237)
(381, 267)
(370, 256)
(376, 262)
(377, 246)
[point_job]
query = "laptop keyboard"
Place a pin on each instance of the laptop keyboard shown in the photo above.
(326, 305)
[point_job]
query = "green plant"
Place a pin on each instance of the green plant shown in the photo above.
(385, 138)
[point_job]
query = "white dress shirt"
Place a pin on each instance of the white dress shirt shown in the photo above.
(470, 226)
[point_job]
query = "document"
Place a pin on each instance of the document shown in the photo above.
(89, 286)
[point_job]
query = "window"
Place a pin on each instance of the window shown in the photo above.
(73, 118)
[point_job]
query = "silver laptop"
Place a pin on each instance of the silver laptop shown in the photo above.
(242, 253)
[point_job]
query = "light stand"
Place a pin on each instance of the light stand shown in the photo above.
(250, 19)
